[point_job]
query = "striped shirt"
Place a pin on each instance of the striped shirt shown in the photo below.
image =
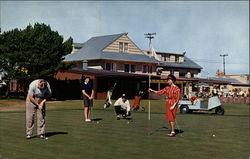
(172, 94)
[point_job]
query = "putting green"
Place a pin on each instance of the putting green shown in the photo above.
(204, 136)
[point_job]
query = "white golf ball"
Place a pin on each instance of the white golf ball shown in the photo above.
(213, 135)
(97, 122)
(46, 138)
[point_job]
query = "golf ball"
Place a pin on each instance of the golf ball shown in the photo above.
(46, 138)
(97, 122)
(213, 135)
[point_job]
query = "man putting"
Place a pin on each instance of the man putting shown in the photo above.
(172, 98)
(39, 92)
(122, 107)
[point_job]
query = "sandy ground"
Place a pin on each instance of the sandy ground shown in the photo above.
(12, 105)
(18, 105)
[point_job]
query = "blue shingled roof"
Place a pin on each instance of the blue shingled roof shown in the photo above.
(92, 50)
(79, 45)
(188, 63)
(231, 80)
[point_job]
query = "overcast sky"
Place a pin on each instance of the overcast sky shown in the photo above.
(203, 29)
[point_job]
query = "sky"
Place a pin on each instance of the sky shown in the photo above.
(203, 29)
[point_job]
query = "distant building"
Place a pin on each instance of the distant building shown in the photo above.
(117, 59)
(178, 64)
(240, 81)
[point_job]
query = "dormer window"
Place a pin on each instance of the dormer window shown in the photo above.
(177, 59)
(165, 57)
(123, 47)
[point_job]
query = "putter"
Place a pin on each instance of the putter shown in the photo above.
(177, 125)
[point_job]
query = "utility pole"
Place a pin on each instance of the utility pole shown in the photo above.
(224, 67)
(150, 37)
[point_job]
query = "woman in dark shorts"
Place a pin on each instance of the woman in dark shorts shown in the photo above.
(88, 95)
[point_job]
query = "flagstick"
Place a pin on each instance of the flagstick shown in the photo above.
(149, 104)
(149, 36)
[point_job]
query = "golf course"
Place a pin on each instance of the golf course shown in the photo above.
(200, 135)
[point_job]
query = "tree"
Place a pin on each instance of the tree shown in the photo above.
(35, 52)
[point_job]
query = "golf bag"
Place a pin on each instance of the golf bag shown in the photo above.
(108, 101)
(137, 101)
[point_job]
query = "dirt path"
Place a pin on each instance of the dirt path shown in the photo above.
(11, 105)
(18, 105)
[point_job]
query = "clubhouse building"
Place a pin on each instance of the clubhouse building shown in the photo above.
(117, 59)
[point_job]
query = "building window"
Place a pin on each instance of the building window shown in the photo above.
(165, 57)
(177, 59)
(144, 69)
(133, 68)
(182, 74)
(113, 66)
(150, 69)
(147, 69)
(123, 47)
(110, 66)
(171, 71)
(126, 67)
(129, 68)
(120, 47)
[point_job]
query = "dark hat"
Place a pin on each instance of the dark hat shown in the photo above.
(172, 77)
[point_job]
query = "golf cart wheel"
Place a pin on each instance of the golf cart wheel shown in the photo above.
(184, 109)
(219, 110)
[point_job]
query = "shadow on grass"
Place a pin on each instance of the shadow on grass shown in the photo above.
(96, 119)
(126, 118)
(164, 128)
(209, 113)
(49, 134)
(178, 131)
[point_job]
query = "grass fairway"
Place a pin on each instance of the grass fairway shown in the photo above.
(71, 138)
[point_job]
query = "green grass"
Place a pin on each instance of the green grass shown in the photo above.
(71, 138)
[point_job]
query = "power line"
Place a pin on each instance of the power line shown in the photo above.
(216, 61)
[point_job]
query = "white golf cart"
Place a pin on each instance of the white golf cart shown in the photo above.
(212, 103)
(201, 104)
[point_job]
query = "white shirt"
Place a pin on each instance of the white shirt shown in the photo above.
(124, 105)
(36, 92)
